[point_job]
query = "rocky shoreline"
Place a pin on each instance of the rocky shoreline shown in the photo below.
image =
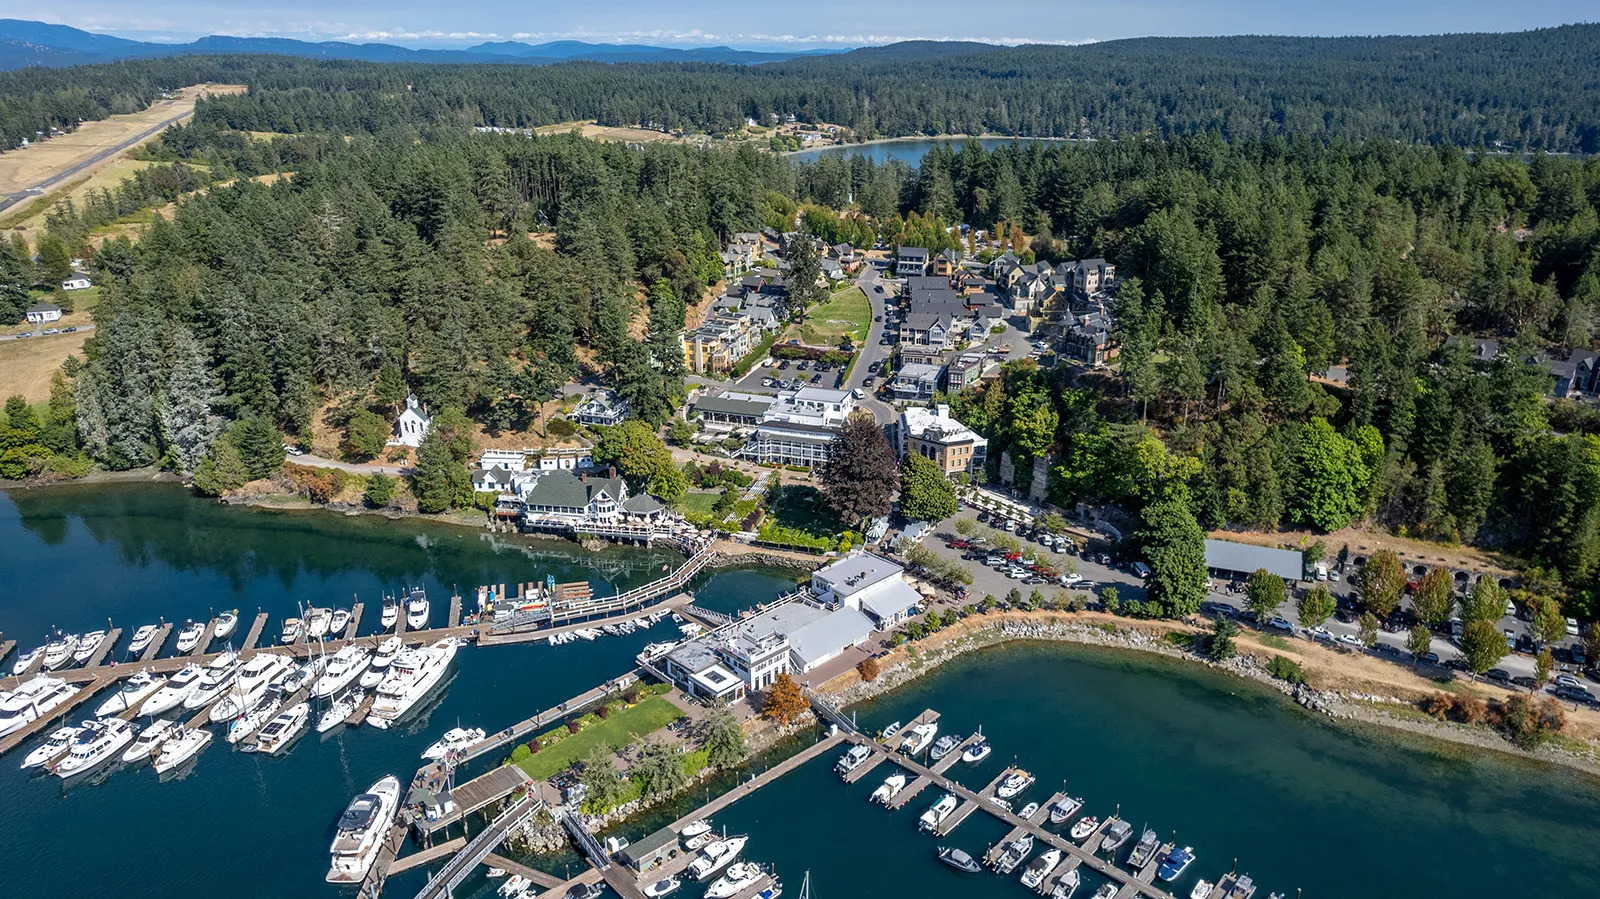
(1351, 708)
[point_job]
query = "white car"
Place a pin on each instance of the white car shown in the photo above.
(293, 450)
(1016, 573)
(1572, 627)
(1070, 578)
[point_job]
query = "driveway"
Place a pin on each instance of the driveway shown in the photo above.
(352, 467)
(37, 332)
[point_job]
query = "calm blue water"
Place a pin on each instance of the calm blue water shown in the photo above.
(909, 151)
(240, 825)
(1233, 770)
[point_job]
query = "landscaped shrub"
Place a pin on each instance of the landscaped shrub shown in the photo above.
(868, 669)
(603, 712)
(574, 726)
(1286, 669)
(631, 697)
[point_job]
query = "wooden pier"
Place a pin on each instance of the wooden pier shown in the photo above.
(748, 787)
(1092, 841)
(897, 742)
(360, 714)
(949, 761)
(255, 632)
(476, 794)
(205, 639)
(354, 627)
(156, 642)
(548, 717)
(455, 611)
(5, 648)
(861, 770)
(539, 877)
(962, 813)
(104, 648)
(1233, 886)
(378, 874)
(430, 854)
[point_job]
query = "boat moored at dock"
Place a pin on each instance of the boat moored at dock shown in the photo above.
(1084, 827)
(1144, 851)
(1173, 866)
(937, 812)
(178, 688)
(343, 667)
(33, 699)
(340, 711)
(53, 746)
(381, 660)
(853, 759)
(413, 675)
(717, 855)
(959, 860)
(189, 636)
(149, 740)
(361, 829)
(142, 638)
(87, 644)
(1117, 834)
(226, 622)
(739, 877)
(919, 738)
(1013, 785)
(134, 691)
(1040, 868)
(454, 740)
(58, 652)
(96, 743)
(282, 730)
(887, 790)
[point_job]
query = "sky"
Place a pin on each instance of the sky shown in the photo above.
(804, 24)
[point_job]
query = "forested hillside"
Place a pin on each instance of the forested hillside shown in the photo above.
(1530, 90)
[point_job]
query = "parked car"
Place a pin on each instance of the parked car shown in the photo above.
(71, 329)
(1567, 680)
(1431, 658)
(1498, 675)
(52, 331)
(1388, 649)
(1212, 607)
(1524, 681)
(1574, 694)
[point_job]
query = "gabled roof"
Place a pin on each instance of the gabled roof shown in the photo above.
(562, 488)
(913, 252)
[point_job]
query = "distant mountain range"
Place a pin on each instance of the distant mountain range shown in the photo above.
(26, 43)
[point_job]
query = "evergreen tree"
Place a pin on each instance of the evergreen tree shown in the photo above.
(189, 422)
(260, 446)
(221, 470)
(439, 481)
(365, 435)
(380, 490)
(1174, 546)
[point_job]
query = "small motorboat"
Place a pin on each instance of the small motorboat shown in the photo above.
(1084, 827)
(944, 746)
(87, 644)
(740, 877)
(1028, 810)
(695, 828)
(959, 860)
(189, 636)
(1106, 891)
(391, 612)
(919, 738)
(1000, 803)
(1067, 885)
(662, 887)
(1014, 784)
(56, 744)
(716, 856)
(292, 629)
(850, 761)
(1144, 851)
(417, 610)
(1202, 889)
(150, 739)
(585, 891)
(1062, 810)
(1040, 868)
(696, 842)
(886, 791)
(1173, 866)
(516, 887)
(454, 740)
(25, 661)
(142, 638)
(1116, 835)
(891, 730)
(977, 752)
(226, 622)
(937, 812)
(1014, 853)
(341, 620)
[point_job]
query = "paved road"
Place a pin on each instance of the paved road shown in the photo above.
(8, 199)
(37, 335)
(352, 467)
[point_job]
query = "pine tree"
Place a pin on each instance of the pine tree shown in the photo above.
(1174, 546)
(189, 422)
(260, 446)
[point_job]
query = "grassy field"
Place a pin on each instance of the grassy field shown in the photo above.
(699, 503)
(623, 727)
(845, 313)
(26, 365)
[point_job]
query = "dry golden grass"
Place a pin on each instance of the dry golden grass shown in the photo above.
(24, 168)
(26, 365)
(604, 132)
(29, 221)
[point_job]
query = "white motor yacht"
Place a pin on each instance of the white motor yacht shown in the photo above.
(240, 728)
(695, 828)
(886, 791)
(32, 700)
(282, 730)
(919, 738)
(341, 709)
(361, 831)
(142, 638)
(1202, 889)
(417, 610)
(219, 677)
(179, 687)
(251, 687)
(454, 739)
(413, 675)
(99, 742)
(343, 667)
(54, 745)
(317, 621)
(1040, 868)
(226, 622)
(87, 644)
(715, 856)
(180, 746)
(189, 637)
(58, 652)
(133, 692)
(150, 739)
(740, 876)
(379, 666)
(391, 612)
(1062, 810)
(936, 813)
(976, 752)
(341, 620)
(292, 629)
(1014, 784)
(25, 661)
(853, 759)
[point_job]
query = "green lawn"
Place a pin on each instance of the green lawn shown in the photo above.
(803, 508)
(623, 727)
(845, 313)
(700, 503)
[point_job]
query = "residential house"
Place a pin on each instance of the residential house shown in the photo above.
(947, 263)
(846, 255)
(934, 435)
(576, 497)
(930, 329)
(720, 342)
(510, 460)
(916, 381)
(1086, 277)
(966, 371)
(911, 261)
(493, 479)
(43, 313)
(832, 270)
(602, 407)
(413, 423)
(1088, 338)
(1576, 374)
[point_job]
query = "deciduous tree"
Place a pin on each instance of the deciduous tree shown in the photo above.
(1316, 606)
(783, 701)
(1264, 594)
(1483, 645)
(1381, 581)
(925, 493)
(1174, 546)
(1434, 599)
(861, 477)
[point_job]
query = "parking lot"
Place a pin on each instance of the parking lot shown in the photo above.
(1227, 597)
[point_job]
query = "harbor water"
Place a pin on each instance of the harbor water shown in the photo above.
(1222, 765)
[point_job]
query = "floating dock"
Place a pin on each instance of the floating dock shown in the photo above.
(5, 648)
(431, 854)
(104, 648)
(156, 642)
(205, 639)
(455, 612)
(476, 794)
(354, 627)
(254, 635)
